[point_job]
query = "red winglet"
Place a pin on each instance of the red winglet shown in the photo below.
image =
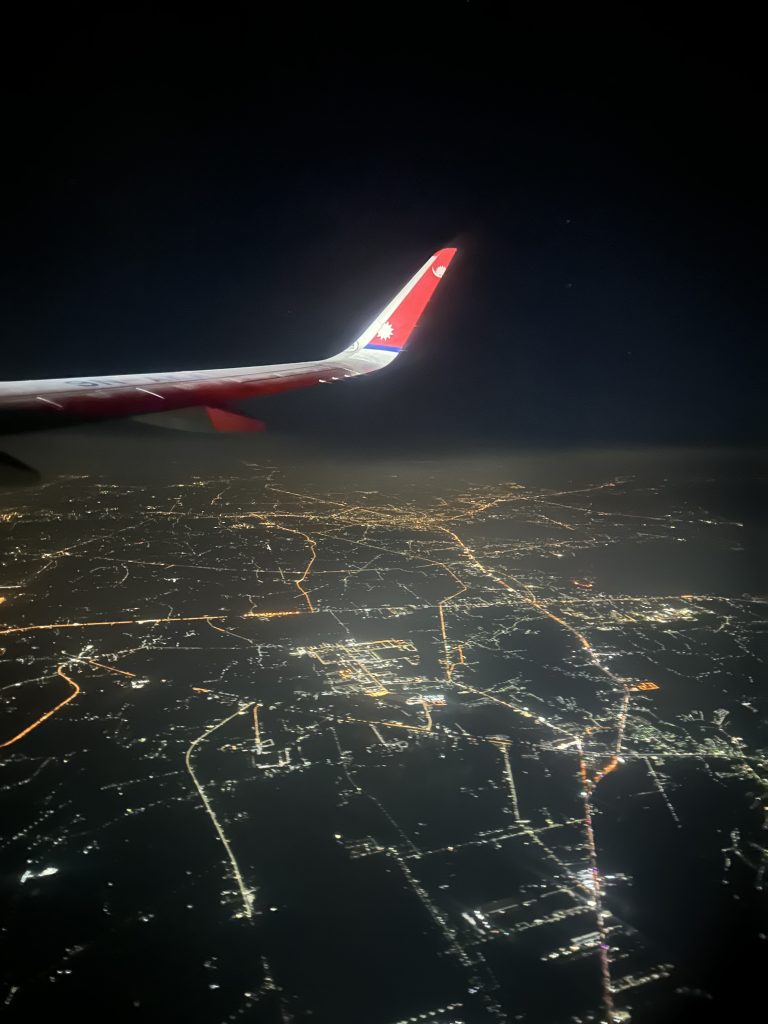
(399, 322)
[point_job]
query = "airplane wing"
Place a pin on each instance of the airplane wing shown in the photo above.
(31, 404)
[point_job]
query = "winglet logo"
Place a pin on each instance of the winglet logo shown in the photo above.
(391, 330)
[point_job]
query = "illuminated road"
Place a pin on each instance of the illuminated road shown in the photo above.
(48, 714)
(246, 893)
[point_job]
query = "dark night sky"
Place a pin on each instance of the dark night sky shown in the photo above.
(191, 193)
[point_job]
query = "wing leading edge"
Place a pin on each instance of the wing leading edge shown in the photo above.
(48, 402)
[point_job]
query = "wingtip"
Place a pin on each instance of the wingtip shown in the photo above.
(390, 331)
(441, 260)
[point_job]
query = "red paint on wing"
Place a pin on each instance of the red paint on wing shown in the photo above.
(403, 320)
(226, 422)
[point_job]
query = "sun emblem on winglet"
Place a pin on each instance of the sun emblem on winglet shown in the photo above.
(438, 271)
(385, 332)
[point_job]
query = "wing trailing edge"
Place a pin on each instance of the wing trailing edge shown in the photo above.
(204, 419)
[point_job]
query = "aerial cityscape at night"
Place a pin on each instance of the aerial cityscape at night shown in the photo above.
(421, 741)
(383, 516)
